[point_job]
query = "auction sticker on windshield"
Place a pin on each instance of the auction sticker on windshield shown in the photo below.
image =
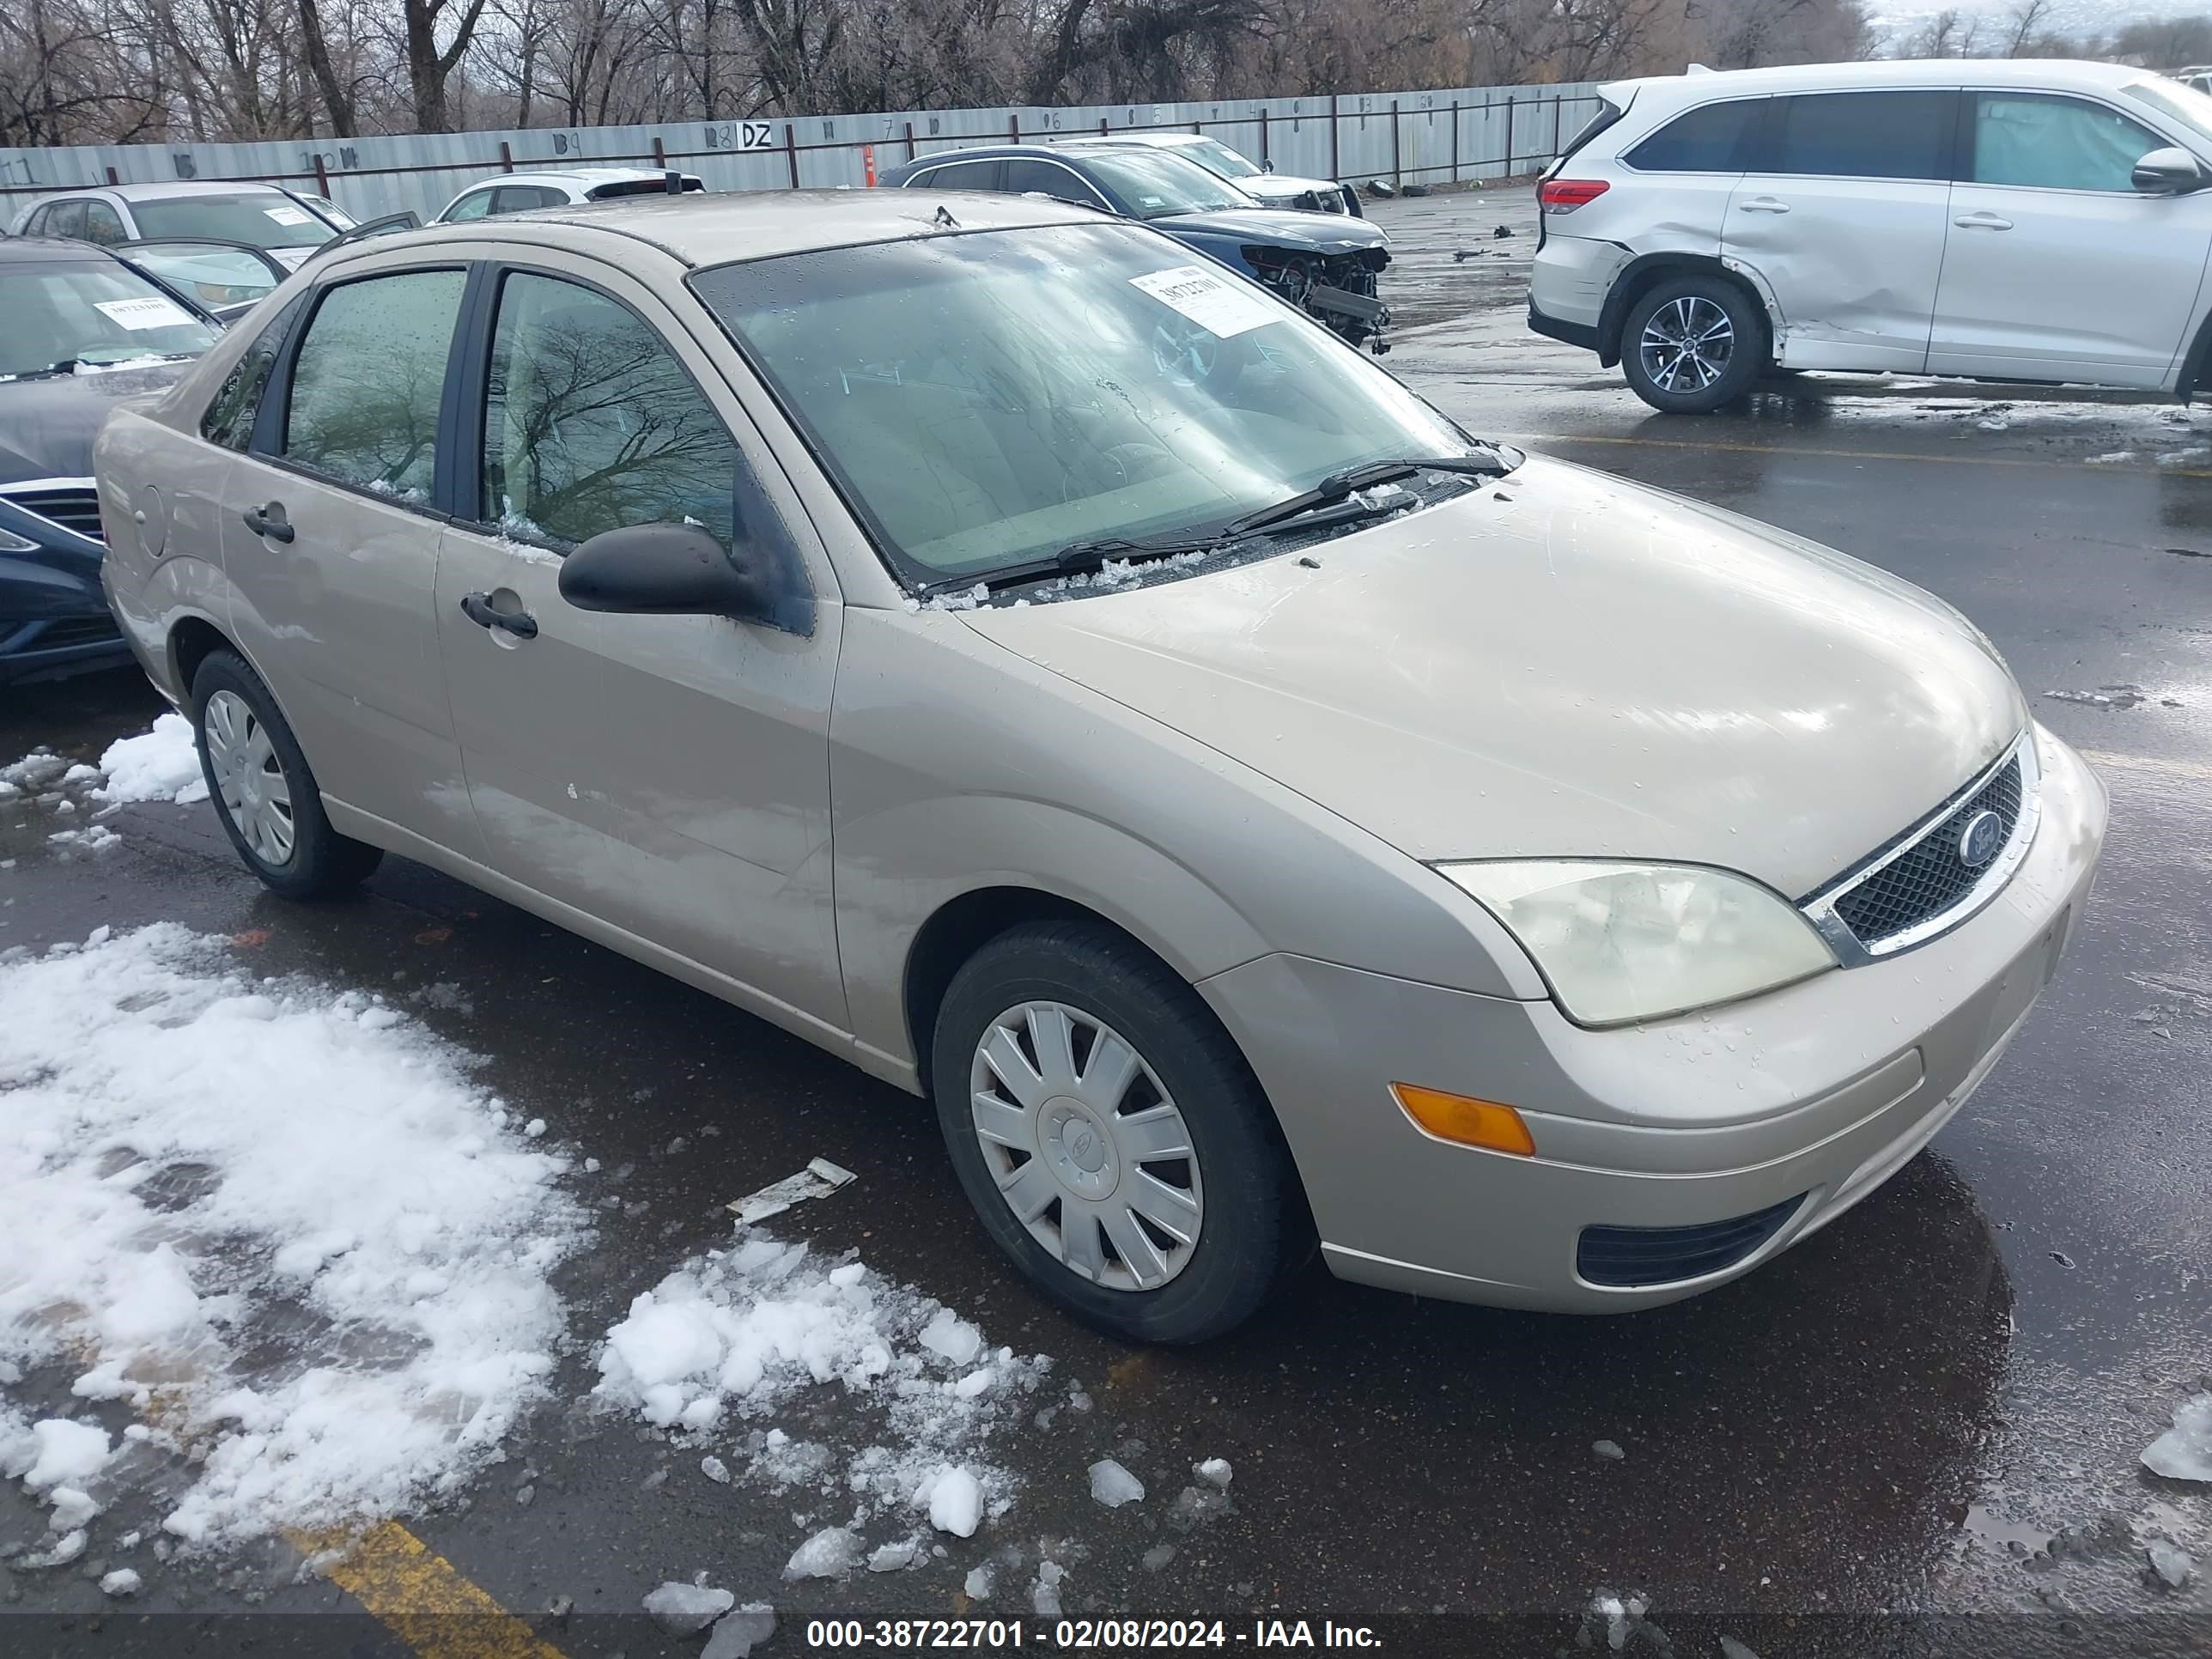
(1214, 303)
(286, 216)
(152, 312)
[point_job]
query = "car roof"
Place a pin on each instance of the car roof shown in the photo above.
(1878, 74)
(587, 176)
(722, 228)
(175, 188)
(1155, 140)
(50, 250)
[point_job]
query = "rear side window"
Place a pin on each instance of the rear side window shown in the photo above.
(230, 415)
(368, 380)
(66, 219)
(1711, 139)
(102, 224)
(1050, 178)
(520, 199)
(1862, 135)
(2055, 142)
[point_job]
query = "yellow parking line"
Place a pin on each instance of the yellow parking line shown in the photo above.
(1540, 439)
(421, 1597)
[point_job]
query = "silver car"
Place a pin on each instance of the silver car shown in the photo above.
(1046, 670)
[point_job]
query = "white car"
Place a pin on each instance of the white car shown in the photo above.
(1996, 219)
(518, 192)
(1262, 184)
(289, 224)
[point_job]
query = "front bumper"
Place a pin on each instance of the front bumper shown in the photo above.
(1799, 1102)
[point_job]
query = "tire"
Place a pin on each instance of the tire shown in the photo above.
(1710, 311)
(1231, 1220)
(267, 788)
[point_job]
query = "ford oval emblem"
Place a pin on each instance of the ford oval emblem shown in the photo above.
(1980, 841)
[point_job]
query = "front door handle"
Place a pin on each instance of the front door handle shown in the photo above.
(1981, 222)
(1764, 205)
(268, 521)
(479, 609)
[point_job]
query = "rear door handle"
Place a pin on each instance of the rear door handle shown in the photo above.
(1764, 205)
(479, 609)
(1981, 222)
(268, 521)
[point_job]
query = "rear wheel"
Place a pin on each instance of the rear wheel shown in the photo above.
(1110, 1136)
(1692, 344)
(262, 788)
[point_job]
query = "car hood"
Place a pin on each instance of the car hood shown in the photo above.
(1283, 186)
(1312, 232)
(1563, 666)
(48, 425)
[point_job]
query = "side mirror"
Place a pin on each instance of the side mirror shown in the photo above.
(1266, 167)
(2170, 172)
(681, 570)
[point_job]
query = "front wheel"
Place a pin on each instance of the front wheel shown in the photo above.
(1110, 1136)
(1692, 344)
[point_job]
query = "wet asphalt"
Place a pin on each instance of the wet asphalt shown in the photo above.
(1918, 1433)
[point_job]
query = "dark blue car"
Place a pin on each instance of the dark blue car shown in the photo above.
(79, 329)
(1325, 264)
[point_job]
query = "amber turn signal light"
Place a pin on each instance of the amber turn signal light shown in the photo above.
(1462, 1118)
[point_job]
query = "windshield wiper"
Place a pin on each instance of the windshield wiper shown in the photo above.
(1338, 487)
(1076, 559)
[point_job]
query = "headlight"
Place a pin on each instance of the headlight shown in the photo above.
(11, 543)
(1625, 942)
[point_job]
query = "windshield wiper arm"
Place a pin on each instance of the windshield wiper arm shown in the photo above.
(1338, 486)
(1076, 559)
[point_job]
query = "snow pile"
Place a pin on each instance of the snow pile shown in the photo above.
(160, 764)
(735, 1339)
(196, 1166)
(2184, 1452)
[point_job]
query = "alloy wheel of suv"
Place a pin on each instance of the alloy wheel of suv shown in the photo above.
(1692, 344)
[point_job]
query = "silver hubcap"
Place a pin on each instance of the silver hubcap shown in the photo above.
(1687, 345)
(249, 778)
(1086, 1147)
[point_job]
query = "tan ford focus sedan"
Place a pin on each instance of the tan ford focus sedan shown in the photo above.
(1049, 672)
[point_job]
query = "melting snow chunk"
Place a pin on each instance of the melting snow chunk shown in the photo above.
(64, 1451)
(1044, 1593)
(1608, 1448)
(956, 1502)
(2184, 1452)
(160, 764)
(953, 1337)
(819, 1178)
(1114, 1486)
(736, 1634)
(1214, 1471)
(830, 1553)
(2170, 1562)
(680, 1609)
(893, 1557)
(978, 1582)
(121, 1582)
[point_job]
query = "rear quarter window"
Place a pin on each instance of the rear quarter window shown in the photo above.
(1711, 138)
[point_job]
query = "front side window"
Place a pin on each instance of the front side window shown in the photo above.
(229, 417)
(369, 379)
(1156, 183)
(591, 423)
(1049, 178)
(61, 319)
(1710, 139)
(262, 218)
(988, 399)
(474, 205)
(2056, 142)
(1862, 135)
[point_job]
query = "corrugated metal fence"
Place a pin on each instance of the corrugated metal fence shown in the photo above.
(1433, 138)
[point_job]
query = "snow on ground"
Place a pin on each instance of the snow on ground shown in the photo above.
(160, 764)
(2184, 1452)
(736, 1351)
(195, 1164)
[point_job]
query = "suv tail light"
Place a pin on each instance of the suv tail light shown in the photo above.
(1565, 195)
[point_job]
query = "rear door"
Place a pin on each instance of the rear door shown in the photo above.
(668, 775)
(330, 538)
(2057, 267)
(1842, 209)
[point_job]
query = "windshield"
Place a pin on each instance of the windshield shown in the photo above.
(263, 218)
(1155, 183)
(1218, 158)
(212, 274)
(2192, 108)
(96, 315)
(990, 399)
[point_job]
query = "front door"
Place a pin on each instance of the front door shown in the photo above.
(666, 776)
(2057, 268)
(332, 548)
(1842, 211)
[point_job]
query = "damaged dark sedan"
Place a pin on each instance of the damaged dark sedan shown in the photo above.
(1325, 265)
(84, 331)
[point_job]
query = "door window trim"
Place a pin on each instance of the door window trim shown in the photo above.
(1970, 127)
(275, 416)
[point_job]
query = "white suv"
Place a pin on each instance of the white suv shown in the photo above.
(1998, 220)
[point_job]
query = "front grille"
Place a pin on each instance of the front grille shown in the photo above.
(76, 631)
(1642, 1256)
(72, 506)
